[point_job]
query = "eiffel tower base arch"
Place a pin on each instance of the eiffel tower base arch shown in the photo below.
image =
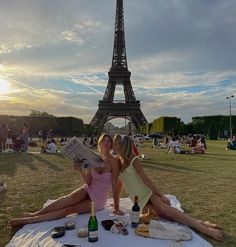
(107, 111)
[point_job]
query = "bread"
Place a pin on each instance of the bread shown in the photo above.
(143, 228)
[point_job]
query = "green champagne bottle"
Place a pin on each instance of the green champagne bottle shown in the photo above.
(92, 225)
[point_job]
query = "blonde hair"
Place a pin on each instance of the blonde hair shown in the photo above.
(125, 145)
(101, 138)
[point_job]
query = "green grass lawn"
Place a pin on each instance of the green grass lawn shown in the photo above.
(205, 184)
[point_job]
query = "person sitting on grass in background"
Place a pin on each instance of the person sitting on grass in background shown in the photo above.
(51, 148)
(137, 183)
(173, 145)
(232, 144)
(63, 140)
(98, 180)
(177, 147)
(201, 147)
(32, 143)
(193, 142)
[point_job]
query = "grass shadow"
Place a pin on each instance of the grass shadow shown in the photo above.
(2, 196)
(29, 162)
(60, 155)
(9, 163)
(229, 240)
(169, 167)
(216, 154)
(50, 164)
(24, 159)
(8, 170)
(220, 157)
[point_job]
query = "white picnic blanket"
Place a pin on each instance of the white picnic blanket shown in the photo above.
(38, 234)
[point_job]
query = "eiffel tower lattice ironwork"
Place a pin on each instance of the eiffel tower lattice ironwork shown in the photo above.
(108, 108)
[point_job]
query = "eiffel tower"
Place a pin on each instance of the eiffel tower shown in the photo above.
(129, 108)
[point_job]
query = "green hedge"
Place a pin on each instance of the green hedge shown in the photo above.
(70, 126)
(165, 125)
(62, 126)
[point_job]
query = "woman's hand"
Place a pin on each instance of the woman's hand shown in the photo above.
(77, 166)
(118, 212)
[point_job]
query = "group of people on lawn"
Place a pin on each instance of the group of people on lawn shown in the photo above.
(13, 140)
(122, 168)
(49, 143)
(198, 146)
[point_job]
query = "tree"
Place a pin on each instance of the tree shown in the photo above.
(35, 113)
(213, 132)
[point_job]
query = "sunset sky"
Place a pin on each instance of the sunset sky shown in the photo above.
(55, 55)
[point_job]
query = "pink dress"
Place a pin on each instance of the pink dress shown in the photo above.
(99, 188)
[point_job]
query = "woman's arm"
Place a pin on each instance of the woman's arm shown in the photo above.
(148, 182)
(87, 177)
(116, 186)
(119, 187)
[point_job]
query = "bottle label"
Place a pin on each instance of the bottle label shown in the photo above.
(135, 216)
(93, 234)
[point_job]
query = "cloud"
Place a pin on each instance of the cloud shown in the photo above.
(182, 55)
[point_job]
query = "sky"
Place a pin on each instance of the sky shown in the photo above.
(55, 55)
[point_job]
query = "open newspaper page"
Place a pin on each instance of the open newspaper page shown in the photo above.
(75, 150)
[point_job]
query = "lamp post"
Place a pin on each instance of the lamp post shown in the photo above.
(230, 122)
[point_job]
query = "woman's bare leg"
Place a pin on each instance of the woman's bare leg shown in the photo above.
(168, 212)
(82, 207)
(62, 202)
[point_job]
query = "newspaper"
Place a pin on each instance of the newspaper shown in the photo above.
(76, 151)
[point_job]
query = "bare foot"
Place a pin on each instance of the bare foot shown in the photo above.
(212, 225)
(216, 234)
(18, 222)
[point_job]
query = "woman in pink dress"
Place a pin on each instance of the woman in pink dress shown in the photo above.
(98, 183)
(201, 147)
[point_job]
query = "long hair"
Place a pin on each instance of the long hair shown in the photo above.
(102, 136)
(125, 145)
